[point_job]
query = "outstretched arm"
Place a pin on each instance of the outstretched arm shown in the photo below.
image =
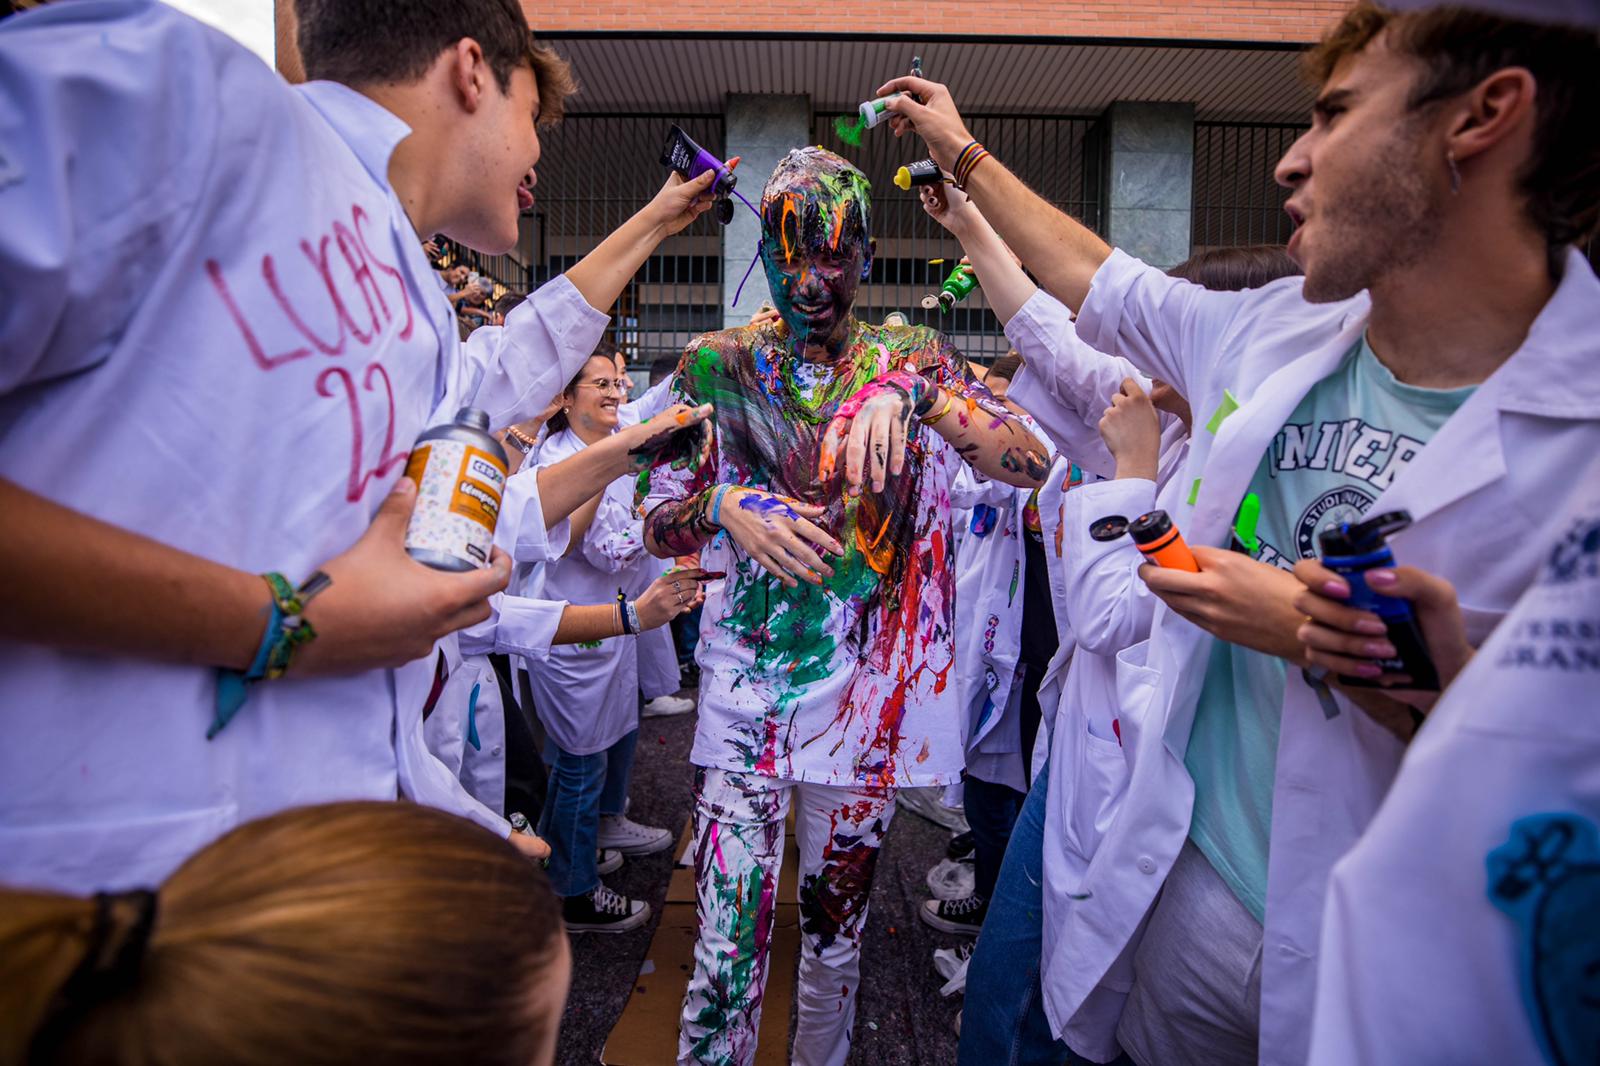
(871, 427)
(1062, 252)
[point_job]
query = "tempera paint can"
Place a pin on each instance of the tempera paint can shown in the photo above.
(1161, 542)
(875, 111)
(1352, 549)
(460, 471)
(922, 172)
(957, 287)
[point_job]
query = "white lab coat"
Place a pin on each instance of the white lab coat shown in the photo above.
(1100, 690)
(158, 207)
(587, 698)
(1266, 348)
(1430, 952)
(659, 673)
(989, 600)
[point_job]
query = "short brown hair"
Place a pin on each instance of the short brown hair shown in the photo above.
(1461, 47)
(1005, 367)
(1233, 269)
(386, 42)
(385, 932)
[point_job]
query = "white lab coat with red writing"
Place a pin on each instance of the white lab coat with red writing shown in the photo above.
(217, 329)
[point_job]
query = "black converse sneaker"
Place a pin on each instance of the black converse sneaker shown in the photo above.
(963, 916)
(603, 911)
(607, 861)
(960, 848)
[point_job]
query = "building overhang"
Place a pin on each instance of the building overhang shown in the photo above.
(655, 73)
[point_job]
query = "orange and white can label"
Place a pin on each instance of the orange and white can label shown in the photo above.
(458, 500)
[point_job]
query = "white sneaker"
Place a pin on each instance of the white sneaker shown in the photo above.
(666, 707)
(608, 861)
(620, 832)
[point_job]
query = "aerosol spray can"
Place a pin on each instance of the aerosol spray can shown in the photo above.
(957, 287)
(1161, 542)
(1350, 550)
(460, 471)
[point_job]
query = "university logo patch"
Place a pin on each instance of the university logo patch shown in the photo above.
(1546, 878)
(1576, 556)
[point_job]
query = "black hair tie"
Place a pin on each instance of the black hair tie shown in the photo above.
(118, 940)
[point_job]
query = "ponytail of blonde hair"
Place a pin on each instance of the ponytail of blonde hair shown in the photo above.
(380, 932)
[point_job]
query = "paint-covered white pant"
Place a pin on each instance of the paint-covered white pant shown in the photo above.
(738, 847)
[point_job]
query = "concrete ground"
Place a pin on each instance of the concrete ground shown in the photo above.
(901, 1020)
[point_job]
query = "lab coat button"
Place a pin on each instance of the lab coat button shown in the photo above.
(1146, 864)
(495, 750)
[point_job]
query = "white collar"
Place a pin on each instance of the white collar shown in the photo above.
(371, 130)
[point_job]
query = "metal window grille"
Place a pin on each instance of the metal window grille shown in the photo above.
(594, 173)
(1236, 200)
(1059, 157)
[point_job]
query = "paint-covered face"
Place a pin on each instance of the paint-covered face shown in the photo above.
(815, 247)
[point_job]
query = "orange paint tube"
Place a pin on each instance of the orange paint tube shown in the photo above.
(1161, 543)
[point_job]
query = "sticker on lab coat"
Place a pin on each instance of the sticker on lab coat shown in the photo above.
(1546, 878)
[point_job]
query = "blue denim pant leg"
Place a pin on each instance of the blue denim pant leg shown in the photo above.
(619, 770)
(1003, 1021)
(570, 823)
(992, 811)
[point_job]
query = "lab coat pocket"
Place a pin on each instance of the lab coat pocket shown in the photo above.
(1100, 777)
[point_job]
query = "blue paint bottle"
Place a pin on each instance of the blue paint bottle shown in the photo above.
(1350, 550)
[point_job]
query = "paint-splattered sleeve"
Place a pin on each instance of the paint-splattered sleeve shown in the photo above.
(677, 497)
(987, 435)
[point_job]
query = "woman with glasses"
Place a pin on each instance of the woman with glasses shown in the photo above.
(587, 695)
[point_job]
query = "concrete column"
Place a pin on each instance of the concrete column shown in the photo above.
(760, 129)
(1150, 167)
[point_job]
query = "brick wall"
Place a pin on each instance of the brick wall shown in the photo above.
(1215, 20)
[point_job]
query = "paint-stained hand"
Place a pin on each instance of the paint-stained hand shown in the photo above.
(1345, 640)
(767, 316)
(680, 202)
(673, 593)
(950, 207)
(1132, 432)
(679, 436)
(871, 427)
(384, 608)
(935, 120)
(778, 532)
(1235, 598)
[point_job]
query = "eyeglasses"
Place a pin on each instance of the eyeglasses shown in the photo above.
(602, 385)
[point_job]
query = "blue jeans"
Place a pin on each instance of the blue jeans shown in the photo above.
(582, 788)
(1003, 1021)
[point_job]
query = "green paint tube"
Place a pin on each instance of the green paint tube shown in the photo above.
(957, 287)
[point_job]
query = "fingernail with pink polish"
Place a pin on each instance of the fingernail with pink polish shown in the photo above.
(1369, 670)
(1372, 628)
(1337, 589)
(1379, 649)
(1382, 578)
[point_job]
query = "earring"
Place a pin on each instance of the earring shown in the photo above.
(1455, 173)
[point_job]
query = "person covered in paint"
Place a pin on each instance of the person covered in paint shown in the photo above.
(826, 683)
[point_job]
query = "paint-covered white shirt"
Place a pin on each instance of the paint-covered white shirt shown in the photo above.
(849, 683)
(217, 329)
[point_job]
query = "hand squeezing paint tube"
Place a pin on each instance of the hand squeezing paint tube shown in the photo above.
(690, 161)
(957, 287)
(1352, 549)
(460, 471)
(873, 112)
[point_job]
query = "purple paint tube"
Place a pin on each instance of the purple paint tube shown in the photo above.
(691, 161)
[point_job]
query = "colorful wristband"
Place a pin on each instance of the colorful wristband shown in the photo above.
(286, 632)
(716, 505)
(949, 401)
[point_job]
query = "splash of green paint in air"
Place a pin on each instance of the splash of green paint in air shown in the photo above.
(849, 132)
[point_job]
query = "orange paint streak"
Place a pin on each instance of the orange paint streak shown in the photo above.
(783, 218)
(838, 223)
(878, 556)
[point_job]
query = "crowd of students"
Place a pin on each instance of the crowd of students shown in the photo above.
(1212, 820)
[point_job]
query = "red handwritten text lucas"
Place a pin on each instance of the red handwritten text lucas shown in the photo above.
(364, 316)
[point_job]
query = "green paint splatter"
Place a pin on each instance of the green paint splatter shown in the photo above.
(849, 132)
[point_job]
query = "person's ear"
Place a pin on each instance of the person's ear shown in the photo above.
(1491, 112)
(469, 74)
